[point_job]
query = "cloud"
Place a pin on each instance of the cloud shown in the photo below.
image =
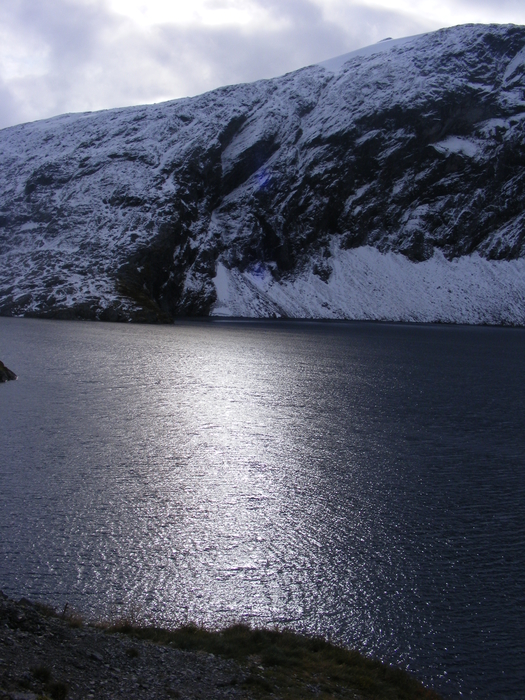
(452, 12)
(9, 108)
(59, 56)
(57, 44)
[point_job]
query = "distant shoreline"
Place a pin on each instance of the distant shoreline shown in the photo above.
(216, 319)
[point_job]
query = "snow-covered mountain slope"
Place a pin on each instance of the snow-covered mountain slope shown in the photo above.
(388, 183)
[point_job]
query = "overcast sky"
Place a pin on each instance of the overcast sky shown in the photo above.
(61, 56)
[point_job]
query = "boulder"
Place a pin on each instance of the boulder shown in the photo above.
(5, 373)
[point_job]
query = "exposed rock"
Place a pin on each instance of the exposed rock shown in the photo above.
(42, 655)
(6, 374)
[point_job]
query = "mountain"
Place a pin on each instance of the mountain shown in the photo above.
(388, 183)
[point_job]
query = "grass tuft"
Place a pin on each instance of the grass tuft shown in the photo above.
(258, 682)
(45, 609)
(294, 666)
(57, 690)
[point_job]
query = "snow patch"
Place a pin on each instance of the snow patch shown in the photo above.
(456, 144)
(368, 285)
(515, 63)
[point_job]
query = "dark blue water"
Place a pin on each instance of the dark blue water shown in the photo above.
(360, 481)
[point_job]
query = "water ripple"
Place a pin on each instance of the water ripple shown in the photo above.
(360, 481)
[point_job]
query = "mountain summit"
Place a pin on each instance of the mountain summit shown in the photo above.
(388, 183)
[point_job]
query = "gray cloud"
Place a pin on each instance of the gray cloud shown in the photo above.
(495, 5)
(212, 57)
(72, 38)
(9, 107)
(95, 59)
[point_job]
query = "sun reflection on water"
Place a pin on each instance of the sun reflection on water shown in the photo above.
(339, 480)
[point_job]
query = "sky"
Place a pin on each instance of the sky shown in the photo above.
(59, 56)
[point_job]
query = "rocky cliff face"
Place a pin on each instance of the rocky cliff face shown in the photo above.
(294, 196)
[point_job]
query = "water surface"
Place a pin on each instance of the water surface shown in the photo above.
(360, 481)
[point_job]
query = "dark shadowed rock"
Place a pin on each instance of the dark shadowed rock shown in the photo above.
(6, 374)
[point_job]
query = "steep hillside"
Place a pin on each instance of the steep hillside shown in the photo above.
(388, 183)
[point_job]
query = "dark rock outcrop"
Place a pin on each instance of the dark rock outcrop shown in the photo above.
(6, 374)
(45, 655)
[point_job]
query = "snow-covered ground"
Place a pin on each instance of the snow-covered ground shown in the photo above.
(367, 284)
(338, 62)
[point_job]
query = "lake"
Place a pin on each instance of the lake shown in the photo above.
(361, 481)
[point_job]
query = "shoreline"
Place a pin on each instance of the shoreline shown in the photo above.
(218, 319)
(44, 654)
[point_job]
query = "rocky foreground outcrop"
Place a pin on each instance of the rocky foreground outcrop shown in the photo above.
(45, 655)
(306, 195)
(42, 654)
(6, 374)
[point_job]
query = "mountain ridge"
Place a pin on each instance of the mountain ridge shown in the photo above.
(321, 193)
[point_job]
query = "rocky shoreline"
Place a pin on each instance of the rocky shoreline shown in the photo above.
(44, 655)
(49, 656)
